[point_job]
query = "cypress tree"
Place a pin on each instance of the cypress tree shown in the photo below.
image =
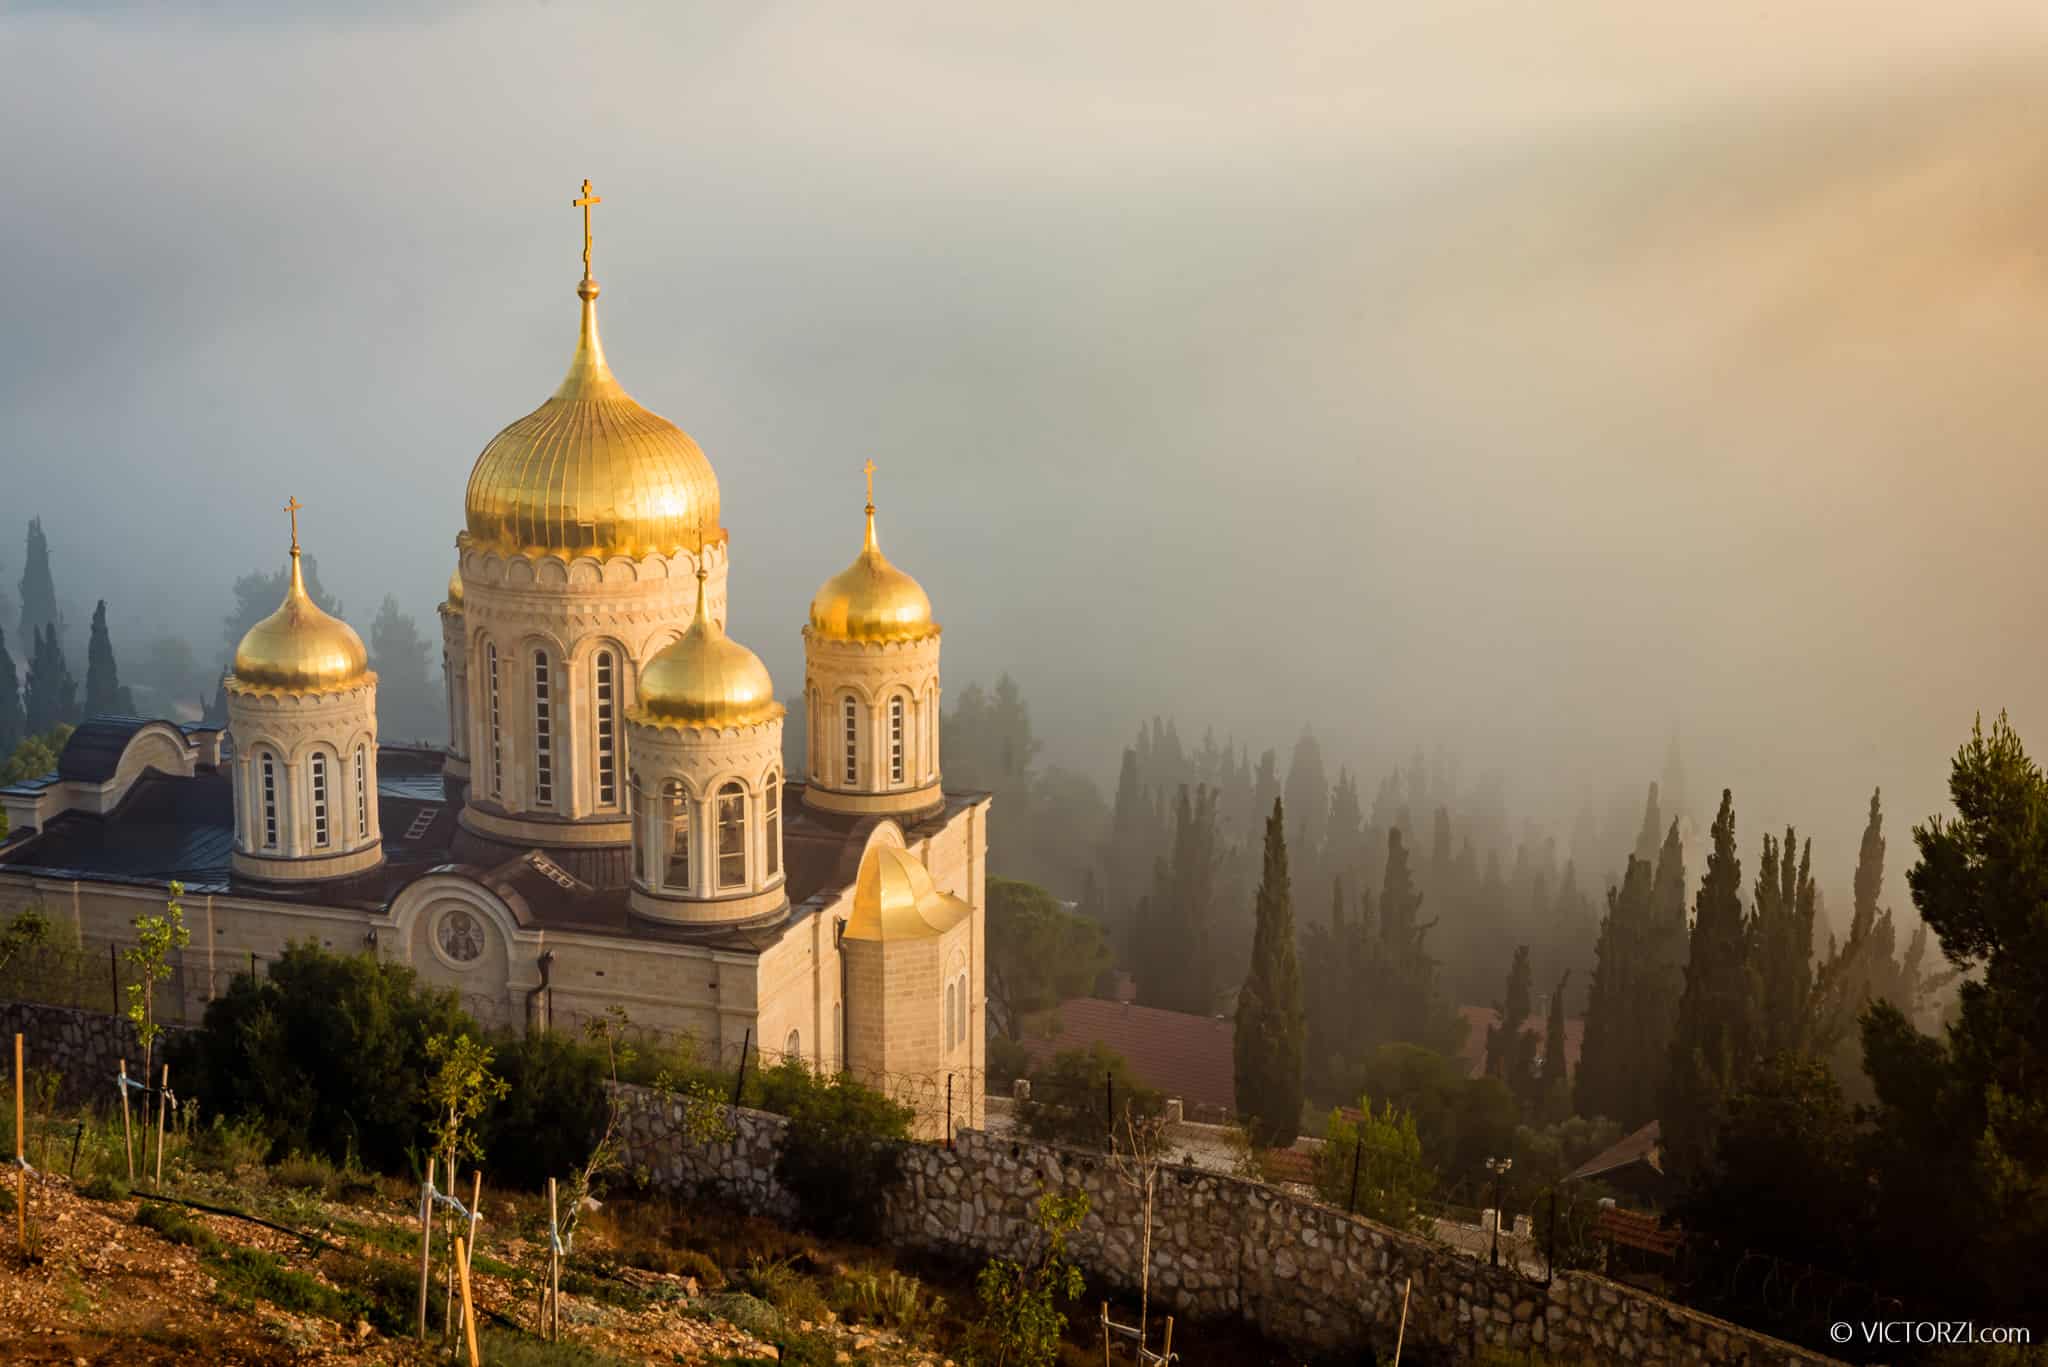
(1780, 933)
(1510, 1053)
(13, 722)
(1612, 1077)
(1268, 1045)
(1556, 1090)
(52, 693)
(104, 695)
(1712, 1043)
(1653, 824)
(38, 589)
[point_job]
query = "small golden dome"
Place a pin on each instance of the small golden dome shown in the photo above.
(872, 600)
(894, 899)
(299, 648)
(455, 587)
(705, 680)
(591, 472)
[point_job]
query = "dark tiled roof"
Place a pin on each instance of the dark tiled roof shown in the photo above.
(94, 750)
(1480, 1019)
(1645, 1146)
(1182, 1055)
(166, 827)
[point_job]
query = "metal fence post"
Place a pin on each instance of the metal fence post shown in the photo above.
(1357, 1150)
(1109, 1100)
(114, 969)
(1550, 1255)
(739, 1081)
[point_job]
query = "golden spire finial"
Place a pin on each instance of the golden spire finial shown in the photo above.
(292, 506)
(584, 204)
(872, 547)
(869, 471)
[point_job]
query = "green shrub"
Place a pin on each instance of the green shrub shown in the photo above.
(778, 1282)
(252, 1275)
(889, 1298)
(1020, 1318)
(842, 1153)
(553, 1112)
(316, 1053)
(104, 1186)
(228, 1146)
(307, 1172)
(678, 1262)
(750, 1313)
(1071, 1097)
(505, 1348)
(179, 1228)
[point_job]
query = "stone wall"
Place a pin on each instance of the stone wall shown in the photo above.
(1224, 1247)
(85, 1048)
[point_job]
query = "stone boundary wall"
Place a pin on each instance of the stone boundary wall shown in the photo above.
(84, 1048)
(1222, 1247)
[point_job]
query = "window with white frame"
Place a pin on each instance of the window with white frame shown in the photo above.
(543, 732)
(269, 764)
(850, 730)
(607, 729)
(317, 768)
(678, 817)
(362, 791)
(497, 730)
(771, 826)
(732, 835)
(896, 739)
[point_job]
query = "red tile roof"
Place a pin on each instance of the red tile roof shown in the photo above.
(1480, 1019)
(1181, 1055)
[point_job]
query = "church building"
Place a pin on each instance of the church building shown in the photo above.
(610, 824)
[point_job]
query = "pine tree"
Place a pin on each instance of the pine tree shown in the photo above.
(1712, 1044)
(104, 695)
(13, 723)
(38, 589)
(52, 692)
(1269, 1011)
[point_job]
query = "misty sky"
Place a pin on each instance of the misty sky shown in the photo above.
(1527, 380)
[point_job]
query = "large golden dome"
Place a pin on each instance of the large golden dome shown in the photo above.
(299, 648)
(705, 680)
(872, 600)
(894, 898)
(591, 472)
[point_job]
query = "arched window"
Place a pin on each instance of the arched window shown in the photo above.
(850, 728)
(794, 1046)
(678, 816)
(607, 729)
(317, 768)
(643, 848)
(961, 997)
(732, 836)
(269, 765)
(497, 729)
(362, 791)
(897, 739)
(771, 826)
(952, 990)
(931, 733)
(543, 731)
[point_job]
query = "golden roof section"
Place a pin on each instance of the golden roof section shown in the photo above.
(299, 648)
(705, 680)
(871, 600)
(455, 587)
(894, 898)
(591, 472)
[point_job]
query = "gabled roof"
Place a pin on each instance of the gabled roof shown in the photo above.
(1645, 1147)
(1182, 1055)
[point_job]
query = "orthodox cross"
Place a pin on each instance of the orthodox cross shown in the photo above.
(584, 204)
(869, 471)
(292, 506)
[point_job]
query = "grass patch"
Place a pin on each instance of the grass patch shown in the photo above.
(779, 1282)
(886, 1297)
(309, 1173)
(248, 1274)
(583, 1281)
(176, 1226)
(503, 1348)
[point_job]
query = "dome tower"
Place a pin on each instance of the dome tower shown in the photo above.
(706, 783)
(871, 688)
(586, 524)
(302, 711)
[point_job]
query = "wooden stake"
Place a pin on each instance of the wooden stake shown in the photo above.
(163, 1103)
(1105, 1334)
(426, 1242)
(127, 1128)
(20, 1151)
(468, 1307)
(554, 1264)
(1166, 1353)
(1402, 1333)
(476, 1194)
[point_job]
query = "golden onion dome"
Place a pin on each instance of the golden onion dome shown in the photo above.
(705, 680)
(894, 898)
(591, 472)
(455, 587)
(299, 648)
(871, 600)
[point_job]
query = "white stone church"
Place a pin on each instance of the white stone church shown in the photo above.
(611, 824)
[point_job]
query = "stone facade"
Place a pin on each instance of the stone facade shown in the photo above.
(1224, 1247)
(84, 1048)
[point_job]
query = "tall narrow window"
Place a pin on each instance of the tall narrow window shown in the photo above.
(318, 769)
(931, 733)
(643, 848)
(362, 792)
(269, 801)
(497, 730)
(607, 730)
(678, 816)
(543, 732)
(952, 990)
(771, 826)
(962, 999)
(850, 713)
(896, 739)
(793, 1047)
(732, 836)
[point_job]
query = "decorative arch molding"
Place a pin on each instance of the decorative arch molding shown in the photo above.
(435, 891)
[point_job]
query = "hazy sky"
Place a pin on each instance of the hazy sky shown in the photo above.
(1525, 379)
